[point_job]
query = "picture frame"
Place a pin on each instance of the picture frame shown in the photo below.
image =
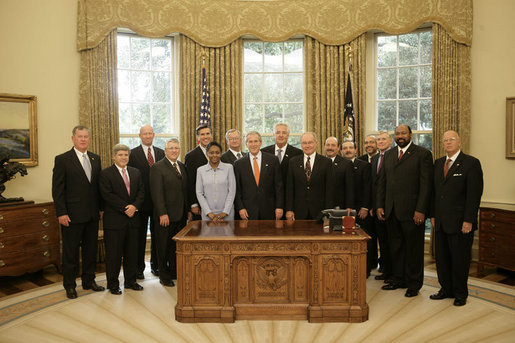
(510, 127)
(18, 128)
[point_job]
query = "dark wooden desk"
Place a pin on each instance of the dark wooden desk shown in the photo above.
(270, 270)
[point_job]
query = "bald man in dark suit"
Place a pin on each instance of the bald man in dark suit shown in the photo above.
(403, 199)
(458, 186)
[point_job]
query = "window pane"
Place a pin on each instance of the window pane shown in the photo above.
(408, 113)
(386, 118)
(140, 116)
(293, 56)
(253, 56)
(424, 139)
(386, 84)
(140, 57)
(273, 87)
(125, 121)
(426, 115)
(273, 57)
(162, 118)
(426, 81)
(124, 82)
(294, 140)
(386, 51)
(293, 86)
(253, 117)
(267, 140)
(161, 87)
(161, 54)
(123, 51)
(273, 115)
(408, 82)
(408, 49)
(253, 87)
(426, 47)
(140, 82)
(131, 142)
(294, 117)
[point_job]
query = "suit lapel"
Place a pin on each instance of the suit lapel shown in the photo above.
(78, 165)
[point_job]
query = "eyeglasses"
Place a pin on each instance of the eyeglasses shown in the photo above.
(451, 139)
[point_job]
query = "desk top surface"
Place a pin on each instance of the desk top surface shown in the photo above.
(274, 230)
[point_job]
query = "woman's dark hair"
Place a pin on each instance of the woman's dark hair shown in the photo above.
(213, 143)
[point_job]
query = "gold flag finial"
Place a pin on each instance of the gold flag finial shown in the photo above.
(203, 56)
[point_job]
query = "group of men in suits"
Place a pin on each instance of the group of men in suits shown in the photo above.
(393, 191)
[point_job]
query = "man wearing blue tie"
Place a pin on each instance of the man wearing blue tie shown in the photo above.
(77, 205)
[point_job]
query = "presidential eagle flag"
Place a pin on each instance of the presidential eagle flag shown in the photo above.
(205, 109)
(348, 116)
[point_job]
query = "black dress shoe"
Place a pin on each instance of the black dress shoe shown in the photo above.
(167, 283)
(460, 301)
(116, 291)
(381, 277)
(135, 286)
(411, 293)
(71, 293)
(392, 286)
(93, 286)
(155, 272)
(140, 276)
(439, 296)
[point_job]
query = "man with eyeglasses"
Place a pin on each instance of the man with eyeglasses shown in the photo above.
(233, 139)
(458, 186)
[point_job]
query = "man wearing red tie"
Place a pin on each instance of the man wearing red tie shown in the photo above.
(458, 186)
(143, 157)
(403, 199)
(122, 189)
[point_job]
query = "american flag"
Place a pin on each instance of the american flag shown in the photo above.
(348, 116)
(205, 109)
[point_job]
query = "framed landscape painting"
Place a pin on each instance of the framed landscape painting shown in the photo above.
(18, 128)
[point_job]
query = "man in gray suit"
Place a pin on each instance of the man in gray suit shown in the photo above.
(403, 199)
(169, 188)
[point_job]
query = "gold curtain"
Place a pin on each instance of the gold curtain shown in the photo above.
(217, 23)
(327, 69)
(224, 75)
(99, 96)
(451, 89)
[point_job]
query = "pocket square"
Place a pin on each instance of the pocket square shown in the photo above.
(457, 174)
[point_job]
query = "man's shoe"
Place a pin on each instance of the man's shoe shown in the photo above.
(135, 286)
(439, 296)
(392, 286)
(93, 286)
(167, 283)
(381, 277)
(71, 293)
(155, 272)
(411, 293)
(116, 291)
(140, 276)
(460, 301)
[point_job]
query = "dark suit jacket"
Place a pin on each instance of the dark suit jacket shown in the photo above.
(291, 151)
(260, 202)
(457, 197)
(305, 197)
(229, 157)
(362, 184)
(169, 191)
(343, 182)
(138, 159)
(193, 159)
(405, 185)
(72, 192)
(374, 176)
(116, 198)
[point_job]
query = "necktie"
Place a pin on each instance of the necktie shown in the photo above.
(177, 170)
(280, 155)
(238, 155)
(126, 180)
(256, 171)
(150, 158)
(446, 167)
(400, 155)
(308, 170)
(380, 164)
(86, 166)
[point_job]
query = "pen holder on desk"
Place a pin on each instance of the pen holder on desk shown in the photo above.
(340, 219)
